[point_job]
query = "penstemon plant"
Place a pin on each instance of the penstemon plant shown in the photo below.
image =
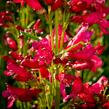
(52, 54)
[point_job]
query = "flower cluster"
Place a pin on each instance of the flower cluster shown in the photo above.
(52, 64)
(82, 95)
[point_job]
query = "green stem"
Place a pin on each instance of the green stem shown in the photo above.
(25, 47)
(57, 90)
(56, 31)
(65, 24)
(50, 26)
(26, 16)
(47, 99)
(62, 39)
(57, 98)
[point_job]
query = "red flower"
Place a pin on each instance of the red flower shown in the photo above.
(92, 64)
(77, 89)
(34, 4)
(44, 53)
(103, 82)
(89, 91)
(84, 54)
(11, 43)
(82, 36)
(83, 58)
(21, 74)
(95, 12)
(19, 93)
(66, 81)
(85, 36)
(36, 27)
(15, 55)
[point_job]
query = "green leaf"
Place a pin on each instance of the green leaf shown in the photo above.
(29, 35)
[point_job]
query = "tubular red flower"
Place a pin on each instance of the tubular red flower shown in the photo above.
(20, 93)
(37, 28)
(84, 54)
(65, 81)
(82, 36)
(15, 55)
(103, 81)
(30, 63)
(93, 63)
(11, 43)
(19, 72)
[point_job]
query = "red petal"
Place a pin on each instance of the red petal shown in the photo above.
(44, 72)
(34, 4)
